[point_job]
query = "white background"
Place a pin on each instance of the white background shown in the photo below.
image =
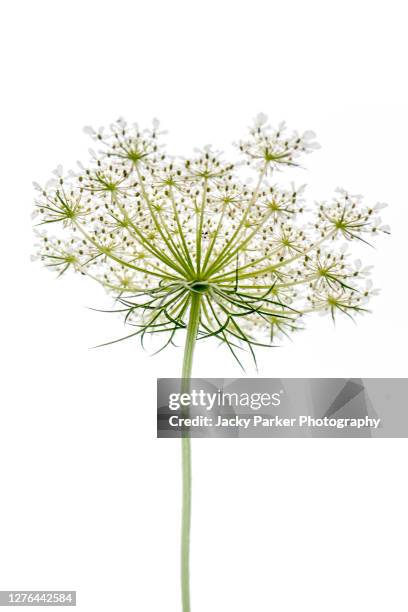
(89, 497)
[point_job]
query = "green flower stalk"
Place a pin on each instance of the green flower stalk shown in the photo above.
(187, 247)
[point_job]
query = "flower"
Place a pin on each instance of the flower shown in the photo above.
(155, 230)
(270, 148)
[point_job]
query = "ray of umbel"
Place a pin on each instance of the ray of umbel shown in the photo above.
(186, 246)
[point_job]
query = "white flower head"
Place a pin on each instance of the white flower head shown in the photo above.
(156, 229)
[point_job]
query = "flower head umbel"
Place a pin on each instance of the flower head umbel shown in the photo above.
(156, 230)
(277, 147)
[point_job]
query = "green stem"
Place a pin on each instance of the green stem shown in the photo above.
(192, 329)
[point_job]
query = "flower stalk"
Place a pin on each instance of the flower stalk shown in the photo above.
(185, 523)
(190, 342)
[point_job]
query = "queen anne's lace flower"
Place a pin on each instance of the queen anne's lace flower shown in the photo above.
(154, 230)
(275, 146)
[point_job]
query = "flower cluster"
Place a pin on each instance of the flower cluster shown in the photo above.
(275, 146)
(154, 230)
